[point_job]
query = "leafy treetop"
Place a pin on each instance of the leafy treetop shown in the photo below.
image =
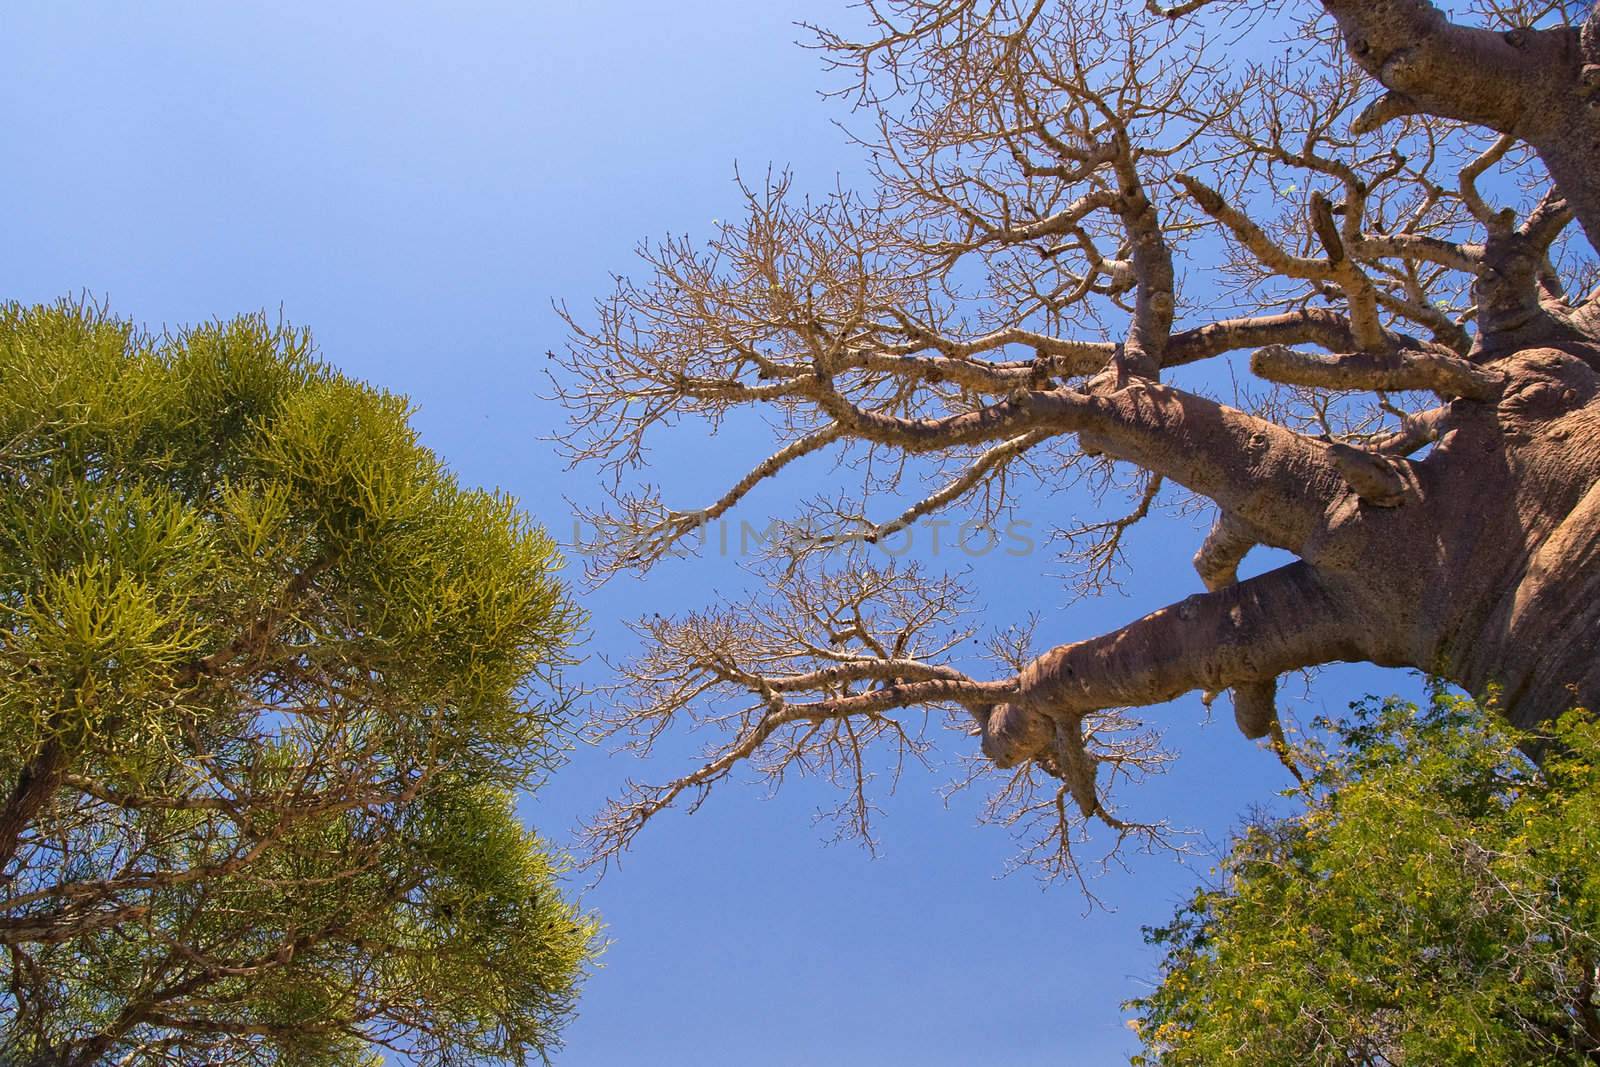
(269, 695)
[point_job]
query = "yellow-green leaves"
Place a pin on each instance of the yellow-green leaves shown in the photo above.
(77, 386)
(352, 459)
(270, 684)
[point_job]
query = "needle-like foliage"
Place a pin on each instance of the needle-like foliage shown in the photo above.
(272, 681)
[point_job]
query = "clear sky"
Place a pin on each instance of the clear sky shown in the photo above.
(417, 182)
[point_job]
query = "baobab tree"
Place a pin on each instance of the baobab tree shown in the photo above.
(1078, 208)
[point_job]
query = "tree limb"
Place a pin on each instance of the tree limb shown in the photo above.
(1439, 372)
(1252, 631)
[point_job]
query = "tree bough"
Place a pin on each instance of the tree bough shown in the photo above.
(1385, 221)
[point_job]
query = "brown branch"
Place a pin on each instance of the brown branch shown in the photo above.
(1255, 708)
(1270, 476)
(614, 830)
(1416, 430)
(1467, 181)
(1527, 83)
(1419, 247)
(1176, 10)
(1254, 239)
(1546, 221)
(1384, 109)
(1376, 479)
(253, 641)
(1217, 561)
(1249, 632)
(1314, 326)
(1097, 561)
(55, 927)
(1439, 372)
(1448, 70)
(976, 473)
(37, 782)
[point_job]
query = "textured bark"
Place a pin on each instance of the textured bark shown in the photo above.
(36, 784)
(1487, 574)
(1539, 85)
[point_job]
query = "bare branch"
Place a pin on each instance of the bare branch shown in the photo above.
(1439, 372)
(1072, 203)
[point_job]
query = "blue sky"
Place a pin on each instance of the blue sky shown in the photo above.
(417, 183)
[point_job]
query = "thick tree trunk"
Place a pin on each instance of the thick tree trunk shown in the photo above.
(1489, 573)
(1496, 567)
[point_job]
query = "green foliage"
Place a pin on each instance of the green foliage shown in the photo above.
(270, 679)
(1438, 902)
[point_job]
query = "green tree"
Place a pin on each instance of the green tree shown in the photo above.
(1438, 902)
(269, 694)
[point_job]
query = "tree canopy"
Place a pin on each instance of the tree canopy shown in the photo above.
(1438, 902)
(1334, 299)
(273, 681)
